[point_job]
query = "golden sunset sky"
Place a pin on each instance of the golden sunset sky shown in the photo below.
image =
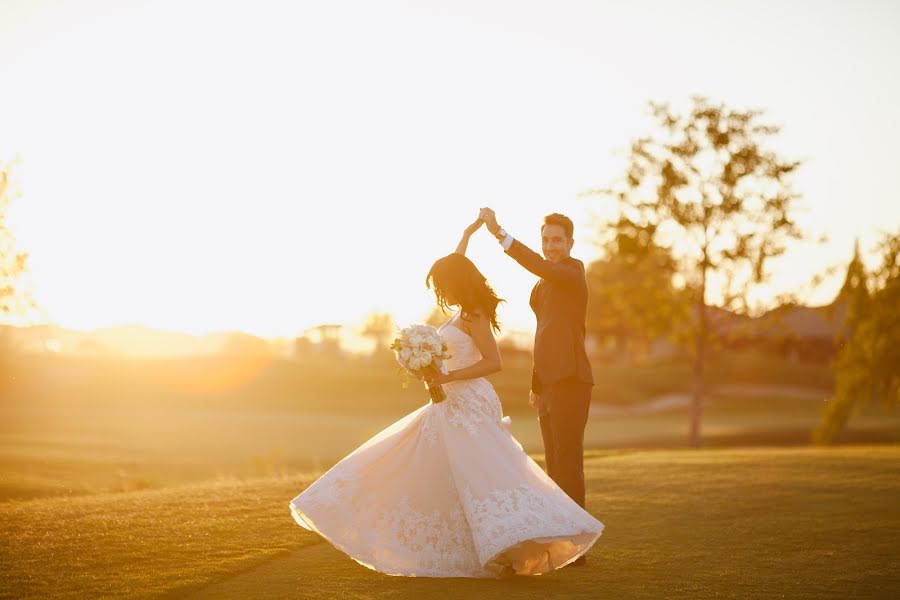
(268, 166)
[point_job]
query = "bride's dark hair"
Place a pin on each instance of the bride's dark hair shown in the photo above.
(458, 282)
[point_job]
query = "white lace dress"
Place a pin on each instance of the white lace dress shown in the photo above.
(447, 491)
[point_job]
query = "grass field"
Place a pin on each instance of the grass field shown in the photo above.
(78, 426)
(360, 385)
(129, 478)
(719, 523)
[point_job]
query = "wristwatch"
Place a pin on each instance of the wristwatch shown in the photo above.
(501, 234)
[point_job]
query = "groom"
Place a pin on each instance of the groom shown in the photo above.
(561, 380)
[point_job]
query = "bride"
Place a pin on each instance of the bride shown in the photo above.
(447, 491)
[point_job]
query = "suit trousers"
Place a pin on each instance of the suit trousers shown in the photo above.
(562, 428)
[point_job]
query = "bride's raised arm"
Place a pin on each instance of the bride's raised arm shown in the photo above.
(464, 242)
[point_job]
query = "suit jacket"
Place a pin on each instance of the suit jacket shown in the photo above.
(559, 301)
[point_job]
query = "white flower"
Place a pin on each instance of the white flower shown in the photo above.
(420, 346)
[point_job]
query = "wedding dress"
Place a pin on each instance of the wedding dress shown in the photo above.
(447, 491)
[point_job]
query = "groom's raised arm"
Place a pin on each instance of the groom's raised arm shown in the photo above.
(565, 273)
(558, 272)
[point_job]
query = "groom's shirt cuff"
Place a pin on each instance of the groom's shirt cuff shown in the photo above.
(506, 242)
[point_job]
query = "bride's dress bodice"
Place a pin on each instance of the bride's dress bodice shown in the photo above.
(470, 402)
(461, 347)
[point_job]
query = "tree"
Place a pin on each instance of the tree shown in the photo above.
(380, 327)
(632, 299)
(867, 367)
(710, 192)
(15, 297)
(855, 289)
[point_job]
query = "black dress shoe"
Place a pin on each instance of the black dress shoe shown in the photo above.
(578, 562)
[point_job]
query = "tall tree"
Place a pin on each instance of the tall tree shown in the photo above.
(855, 289)
(867, 367)
(721, 202)
(15, 298)
(632, 298)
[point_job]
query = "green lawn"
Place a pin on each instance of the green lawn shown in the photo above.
(359, 386)
(731, 523)
(81, 426)
(85, 451)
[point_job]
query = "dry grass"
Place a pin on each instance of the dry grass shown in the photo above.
(72, 426)
(751, 523)
(141, 544)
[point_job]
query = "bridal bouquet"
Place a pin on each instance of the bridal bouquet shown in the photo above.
(421, 351)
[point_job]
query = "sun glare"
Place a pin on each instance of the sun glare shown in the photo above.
(308, 169)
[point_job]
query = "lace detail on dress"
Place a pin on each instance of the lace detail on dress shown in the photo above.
(429, 429)
(508, 517)
(471, 404)
(399, 537)
(440, 545)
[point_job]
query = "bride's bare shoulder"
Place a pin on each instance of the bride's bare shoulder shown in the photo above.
(472, 320)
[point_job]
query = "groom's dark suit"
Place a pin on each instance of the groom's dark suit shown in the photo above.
(562, 372)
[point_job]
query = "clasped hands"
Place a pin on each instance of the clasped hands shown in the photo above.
(486, 216)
